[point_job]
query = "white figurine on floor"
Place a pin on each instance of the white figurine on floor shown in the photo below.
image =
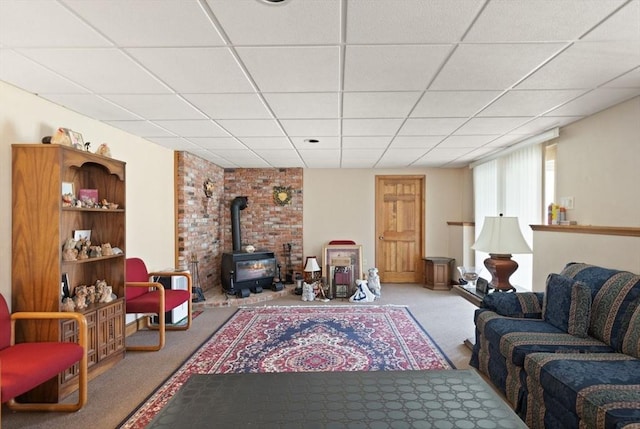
(363, 294)
(307, 292)
(373, 281)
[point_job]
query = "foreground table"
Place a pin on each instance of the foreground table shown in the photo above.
(381, 399)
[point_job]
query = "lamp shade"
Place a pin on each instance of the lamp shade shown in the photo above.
(501, 235)
(311, 265)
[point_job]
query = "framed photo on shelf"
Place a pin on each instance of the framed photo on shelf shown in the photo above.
(76, 139)
(68, 194)
(82, 234)
(344, 263)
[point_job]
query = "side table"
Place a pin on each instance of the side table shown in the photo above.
(437, 272)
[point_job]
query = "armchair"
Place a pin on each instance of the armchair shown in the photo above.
(144, 296)
(24, 366)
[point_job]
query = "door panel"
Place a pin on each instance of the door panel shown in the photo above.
(399, 228)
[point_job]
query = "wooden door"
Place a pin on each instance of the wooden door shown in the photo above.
(399, 228)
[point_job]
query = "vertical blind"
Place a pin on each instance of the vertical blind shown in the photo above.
(511, 185)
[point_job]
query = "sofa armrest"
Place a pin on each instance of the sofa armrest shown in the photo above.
(515, 304)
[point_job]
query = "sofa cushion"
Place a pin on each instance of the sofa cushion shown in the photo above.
(612, 292)
(519, 304)
(518, 337)
(599, 390)
(630, 332)
(567, 305)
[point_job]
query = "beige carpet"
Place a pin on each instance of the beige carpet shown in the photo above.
(112, 396)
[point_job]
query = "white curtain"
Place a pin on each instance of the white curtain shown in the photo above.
(511, 185)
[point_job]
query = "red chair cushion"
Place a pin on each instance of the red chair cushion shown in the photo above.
(5, 324)
(148, 302)
(136, 272)
(27, 365)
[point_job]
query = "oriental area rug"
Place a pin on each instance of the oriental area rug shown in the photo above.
(304, 339)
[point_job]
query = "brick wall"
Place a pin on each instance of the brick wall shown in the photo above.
(203, 225)
(265, 224)
(199, 218)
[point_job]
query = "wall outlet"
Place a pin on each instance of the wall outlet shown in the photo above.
(566, 202)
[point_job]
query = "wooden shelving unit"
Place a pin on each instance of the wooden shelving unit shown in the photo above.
(40, 227)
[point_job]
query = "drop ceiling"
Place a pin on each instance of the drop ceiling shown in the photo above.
(376, 83)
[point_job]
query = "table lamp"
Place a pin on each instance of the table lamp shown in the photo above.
(312, 269)
(501, 237)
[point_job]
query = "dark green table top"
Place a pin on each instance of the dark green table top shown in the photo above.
(380, 399)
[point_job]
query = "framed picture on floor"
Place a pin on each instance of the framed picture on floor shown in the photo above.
(342, 266)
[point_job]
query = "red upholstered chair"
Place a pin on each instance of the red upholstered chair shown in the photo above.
(26, 365)
(144, 296)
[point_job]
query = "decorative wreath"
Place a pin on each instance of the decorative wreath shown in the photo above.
(208, 188)
(282, 195)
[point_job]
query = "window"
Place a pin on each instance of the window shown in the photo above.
(512, 185)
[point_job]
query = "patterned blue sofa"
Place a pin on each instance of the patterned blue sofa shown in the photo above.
(568, 357)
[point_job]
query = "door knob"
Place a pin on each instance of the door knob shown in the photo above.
(381, 237)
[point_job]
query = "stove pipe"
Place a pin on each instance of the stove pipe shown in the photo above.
(238, 203)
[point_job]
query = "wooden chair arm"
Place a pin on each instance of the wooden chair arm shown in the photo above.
(145, 284)
(44, 315)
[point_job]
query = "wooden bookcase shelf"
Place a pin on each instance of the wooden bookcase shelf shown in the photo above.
(40, 227)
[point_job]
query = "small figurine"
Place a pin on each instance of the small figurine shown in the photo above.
(107, 250)
(373, 282)
(363, 294)
(80, 297)
(104, 150)
(91, 294)
(68, 304)
(61, 136)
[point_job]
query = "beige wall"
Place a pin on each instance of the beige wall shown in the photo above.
(598, 161)
(340, 204)
(26, 118)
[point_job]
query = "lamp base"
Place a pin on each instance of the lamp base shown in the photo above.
(501, 267)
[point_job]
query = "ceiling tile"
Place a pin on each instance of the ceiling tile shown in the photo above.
(297, 22)
(424, 142)
(252, 127)
(156, 106)
(585, 65)
(175, 143)
(193, 128)
(33, 77)
(623, 25)
(453, 104)
(149, 22)
(529, 103)
(293, 69)
(495, 66)
(36, 18)
(543, 123)
(214, 143)
(140, 128)
(263, 143)
(370, 127)
(281, 158)
(430, 126)
(627, 80)
(489, 126)
(303, 105)
(409, 67)
(466, 141)
(409, 21)
(321, 158)
(230, 106)
(595, 101)
(189, 69)
(526, 20)
(365, 142)
(311, 127)
(104, 71)
(378, 104)
(92, 106)
(323, 143)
